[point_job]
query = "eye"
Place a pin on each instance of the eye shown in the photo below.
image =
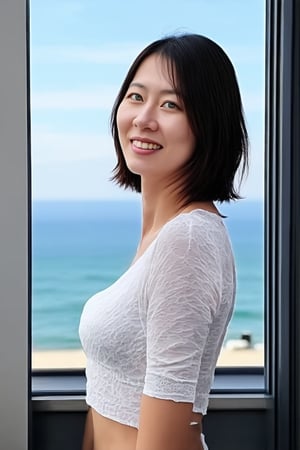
(135, 97)
(170, 105)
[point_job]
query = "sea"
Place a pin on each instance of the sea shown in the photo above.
(81, 247)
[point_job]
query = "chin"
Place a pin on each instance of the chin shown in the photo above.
(137, 169)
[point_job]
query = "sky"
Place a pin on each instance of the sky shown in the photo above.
(80, 52)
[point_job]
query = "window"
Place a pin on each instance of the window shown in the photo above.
(282, 227)
(85, 229)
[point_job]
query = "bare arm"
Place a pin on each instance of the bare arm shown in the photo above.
(183, 295)
(164, 425)
(88, 440)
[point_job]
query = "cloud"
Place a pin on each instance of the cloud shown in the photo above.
(76, 181)
(53, 147)
(97, 98)
(103, 97)
(125, 52)
(109, 53)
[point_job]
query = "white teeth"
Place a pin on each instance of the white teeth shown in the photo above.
(146, 145)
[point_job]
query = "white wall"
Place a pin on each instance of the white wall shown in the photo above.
(14, 361)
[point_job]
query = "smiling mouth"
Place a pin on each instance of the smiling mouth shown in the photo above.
(146, 145)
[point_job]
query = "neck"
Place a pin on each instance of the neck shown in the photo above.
(156, 213)
(161, 204)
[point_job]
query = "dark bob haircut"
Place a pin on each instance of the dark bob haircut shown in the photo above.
(205, 78)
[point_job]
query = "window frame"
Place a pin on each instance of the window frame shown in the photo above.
(282, 238)
(247, 392)
(282, 212)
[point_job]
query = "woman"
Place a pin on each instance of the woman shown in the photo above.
(152, 339)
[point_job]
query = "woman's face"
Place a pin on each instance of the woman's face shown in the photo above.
(153, 128)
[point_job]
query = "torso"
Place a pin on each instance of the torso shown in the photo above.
(111, 435)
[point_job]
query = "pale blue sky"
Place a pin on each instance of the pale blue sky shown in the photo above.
(80, 52)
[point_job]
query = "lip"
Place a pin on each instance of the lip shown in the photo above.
(144, 139)
(143, 151)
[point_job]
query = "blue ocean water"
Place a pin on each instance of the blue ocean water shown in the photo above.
(80, 248)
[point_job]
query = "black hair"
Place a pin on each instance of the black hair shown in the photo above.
(205, 78)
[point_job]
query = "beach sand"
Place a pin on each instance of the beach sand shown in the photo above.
(75, 359)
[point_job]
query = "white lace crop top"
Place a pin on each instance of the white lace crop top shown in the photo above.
(159, 328)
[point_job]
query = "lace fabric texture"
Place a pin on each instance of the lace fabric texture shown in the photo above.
(159, 329)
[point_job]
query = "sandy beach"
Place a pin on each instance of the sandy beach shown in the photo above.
(75, 359)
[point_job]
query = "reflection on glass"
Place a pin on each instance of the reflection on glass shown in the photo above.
(85, 229)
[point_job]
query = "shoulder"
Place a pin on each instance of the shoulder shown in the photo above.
(193, 231)
(193, 240)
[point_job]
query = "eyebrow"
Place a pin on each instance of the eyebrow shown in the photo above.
(163, 91)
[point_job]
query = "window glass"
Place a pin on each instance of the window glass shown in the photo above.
(85, 229)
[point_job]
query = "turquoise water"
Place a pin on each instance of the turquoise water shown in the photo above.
(80, 248)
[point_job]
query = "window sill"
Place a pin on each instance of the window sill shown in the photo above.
(233, 388)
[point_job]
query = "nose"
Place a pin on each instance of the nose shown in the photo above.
(145, 119)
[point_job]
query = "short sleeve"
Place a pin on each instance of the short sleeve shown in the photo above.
(183, 293)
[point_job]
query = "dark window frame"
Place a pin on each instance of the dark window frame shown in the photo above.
(282, 221)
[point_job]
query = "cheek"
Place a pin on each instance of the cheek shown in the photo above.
(187, 137)
(123, 119)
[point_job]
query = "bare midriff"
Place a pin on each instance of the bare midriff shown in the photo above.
(112, 435)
